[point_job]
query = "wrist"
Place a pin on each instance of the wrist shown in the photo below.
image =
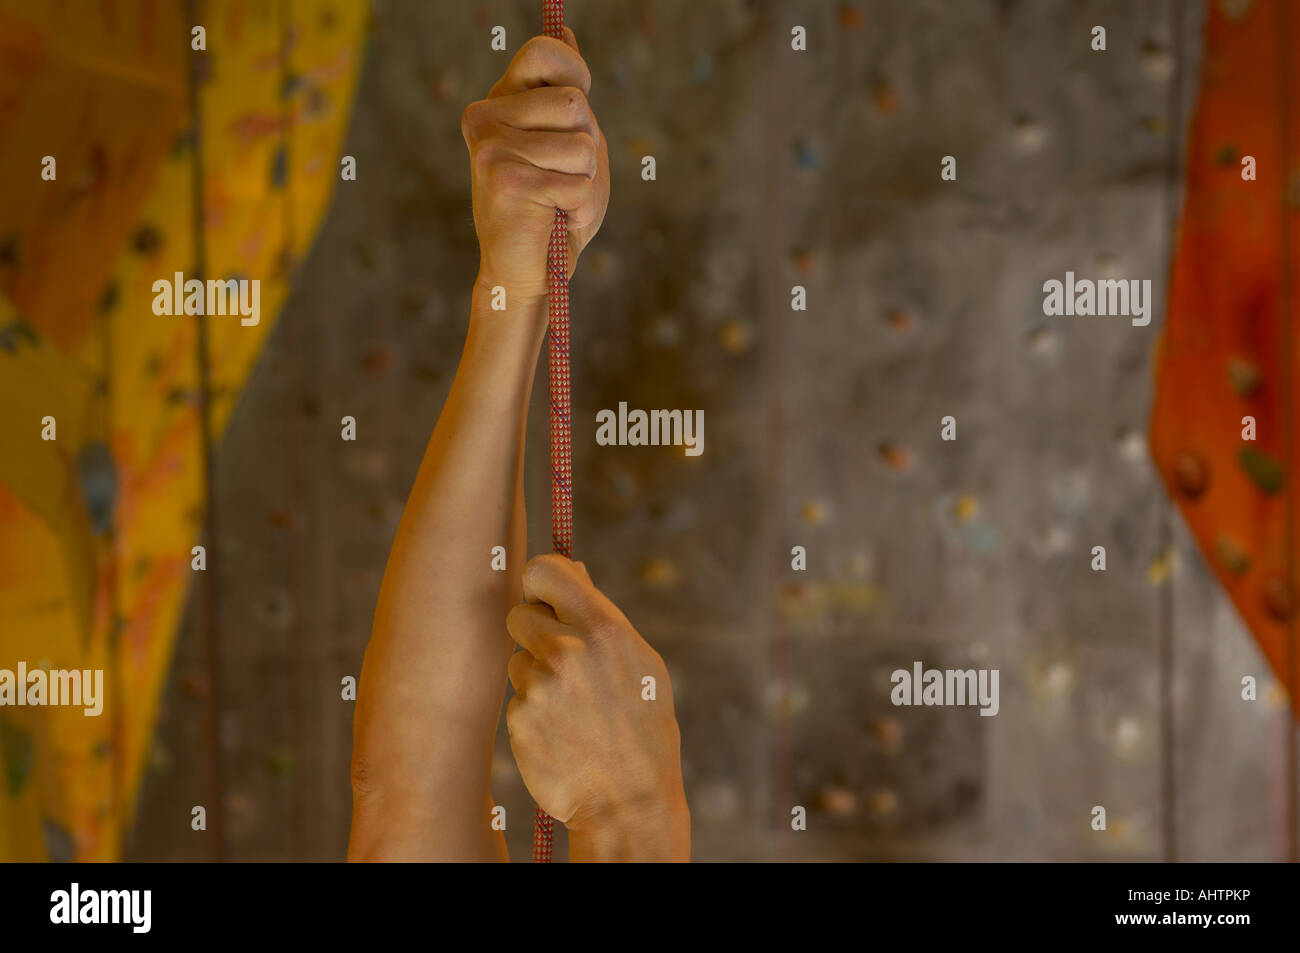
(494, 297)
(649, 831)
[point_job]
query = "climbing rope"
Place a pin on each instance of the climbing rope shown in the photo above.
(557, 274)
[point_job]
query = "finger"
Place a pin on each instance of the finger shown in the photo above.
(549, 189)
(585, 213)
(514, 708)
(563, 585)
(534, 628)
(574, 153)
(544, 61)
(548, 109)
(520, 669)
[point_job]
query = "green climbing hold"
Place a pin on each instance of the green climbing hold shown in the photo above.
(1231, 554)
(1265, 470)
(18, 753)
(281, 763)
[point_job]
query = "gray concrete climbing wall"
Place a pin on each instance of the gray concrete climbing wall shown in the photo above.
(924, 297)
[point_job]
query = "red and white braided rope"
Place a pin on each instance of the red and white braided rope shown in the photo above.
(557, 273)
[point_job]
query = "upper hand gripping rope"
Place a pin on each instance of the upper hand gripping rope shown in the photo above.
(557, 274)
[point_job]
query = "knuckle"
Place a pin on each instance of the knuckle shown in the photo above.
(567, 659)
(484, 156)
(534, 46)
(605, 629)
(516, 718)
(559, 662)
(661, 671)
(510, 177)
(549, 657)
(574, 102)
(471, 118)
(584, 204)
(586, 146)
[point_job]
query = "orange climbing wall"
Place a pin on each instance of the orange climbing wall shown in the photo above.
(1226, 353)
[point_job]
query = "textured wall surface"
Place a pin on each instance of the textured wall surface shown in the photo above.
(822, 430)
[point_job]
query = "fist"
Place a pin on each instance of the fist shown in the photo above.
(535, 147)
(594, 750)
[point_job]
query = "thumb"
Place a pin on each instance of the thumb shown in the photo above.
(570, 38)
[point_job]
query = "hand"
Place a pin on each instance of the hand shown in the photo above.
(534, 147)
(593, 752)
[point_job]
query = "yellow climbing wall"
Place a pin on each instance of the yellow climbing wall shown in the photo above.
(97, 525)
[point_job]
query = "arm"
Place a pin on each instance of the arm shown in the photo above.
(435, 669)
(434, 672)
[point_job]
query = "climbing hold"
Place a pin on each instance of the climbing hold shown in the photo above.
(660, 573)
(839, 801)
(807, 155)
(1157, 62)
(1226, 155)
(98, 478)
(1231, 554)
(1162, 567)
(1028, 135)
(1278, 598)
(850, 17)
(883, 96)
(734, 336)
(813, 512)
(966, 508)
(147, 239)
(1245, 376)
(804, 260)
(1265, 470)
(1154, 125)
(888, 731)
(895, 457)
(884, 803)
(898, 319)
(1191, 474)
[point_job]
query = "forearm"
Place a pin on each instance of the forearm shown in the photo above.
(434, 674)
